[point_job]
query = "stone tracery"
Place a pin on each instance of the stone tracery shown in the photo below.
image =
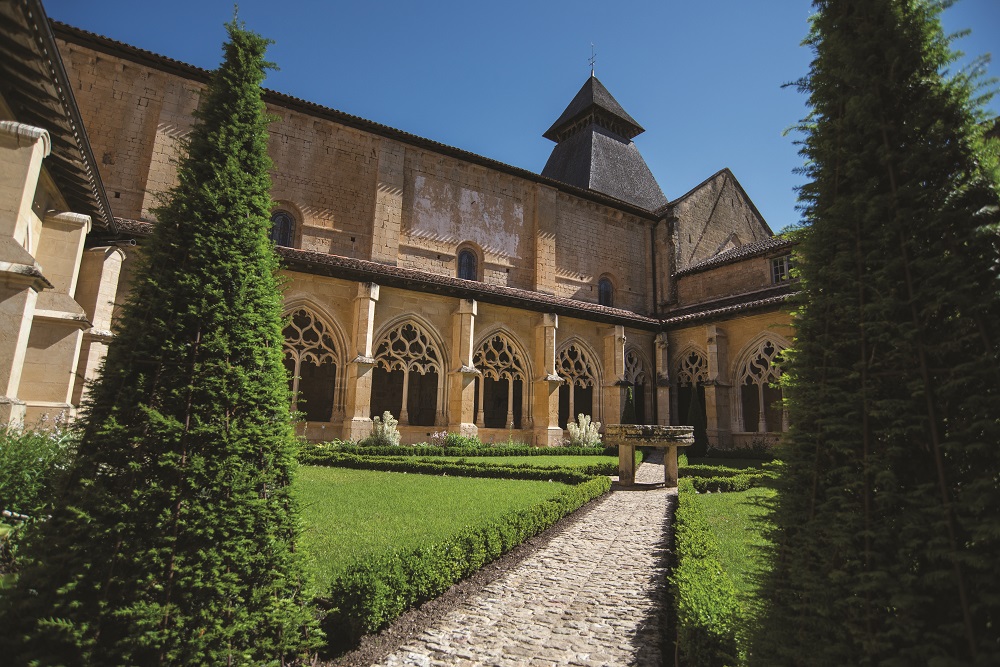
(311, 359)
(409, 348)
(499, 362)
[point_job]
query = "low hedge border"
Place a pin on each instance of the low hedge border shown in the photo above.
(705, 598)
(434, 450)
(715, 479)
(370, 594)
(431, 467)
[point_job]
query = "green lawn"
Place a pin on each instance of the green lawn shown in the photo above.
(737, 521)
(349, 514)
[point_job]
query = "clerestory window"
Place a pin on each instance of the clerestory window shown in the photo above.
(468, 268)
(282, 228)
(605, 292)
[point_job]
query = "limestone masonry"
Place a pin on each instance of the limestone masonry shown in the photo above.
(457, 292)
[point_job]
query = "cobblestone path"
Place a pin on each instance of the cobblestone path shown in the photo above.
(593, 596)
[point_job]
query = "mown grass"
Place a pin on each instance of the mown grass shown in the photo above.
(350, 514)
(738, 520)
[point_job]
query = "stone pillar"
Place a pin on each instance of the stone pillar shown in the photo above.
(50, 362)
(462, 399)
(614, 365)
(662, 373)
(546, 213)
(546, 412)
(22, 149)
(100, 270)
(357, 415)
(388, 209)
(717, 389)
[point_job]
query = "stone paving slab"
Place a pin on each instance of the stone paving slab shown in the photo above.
(592, 597)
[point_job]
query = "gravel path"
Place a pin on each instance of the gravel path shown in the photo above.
(592, 596)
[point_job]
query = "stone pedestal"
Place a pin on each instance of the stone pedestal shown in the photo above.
(629, 436)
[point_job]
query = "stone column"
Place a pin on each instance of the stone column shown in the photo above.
(388, 210)
(546, 412)
(614, 369)
(22, 149)
(662, 374)
(462, 400)
(546, 213)
(717, 389)
(100, 270)
(357, 416)
(50, 362)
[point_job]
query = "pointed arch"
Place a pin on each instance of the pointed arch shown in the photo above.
(313, 355)
(502, 389)
(757, 397)
(690, 374)
(638, 373)
(408, 376)
(578, 365)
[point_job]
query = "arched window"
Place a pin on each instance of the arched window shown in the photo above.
(605, 292)
(282, 228)
(760, 397)
(500, 390)
(311, 361)
(576, 396)
(468, 262)
(691, 376)
(407, 366)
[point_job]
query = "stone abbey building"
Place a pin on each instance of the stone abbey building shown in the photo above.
(457, 292)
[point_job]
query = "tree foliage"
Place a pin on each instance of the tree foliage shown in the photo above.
(174, 541)
(888, 531)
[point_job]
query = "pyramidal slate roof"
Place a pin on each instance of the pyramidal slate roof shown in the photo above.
(594, 149)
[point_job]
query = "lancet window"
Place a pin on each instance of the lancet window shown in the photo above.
(638, 377)
(690, 377)
(500, 392)
(576, 396)
(407, 365)
(311, 358)
(759, 407)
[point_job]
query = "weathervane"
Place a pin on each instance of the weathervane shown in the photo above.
(593, 58)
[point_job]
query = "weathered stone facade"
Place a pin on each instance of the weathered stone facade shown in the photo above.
(568, 296)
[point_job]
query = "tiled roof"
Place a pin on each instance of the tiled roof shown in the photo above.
(757, 248)
(593, 97)
(770, 297)
(393, 276)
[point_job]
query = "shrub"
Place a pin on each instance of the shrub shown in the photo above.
(384, 432)
(584, 433)
(456, 440)
(372, 593)
(31, 463)
(704, 596)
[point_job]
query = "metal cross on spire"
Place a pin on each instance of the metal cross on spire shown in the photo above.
(593, 58)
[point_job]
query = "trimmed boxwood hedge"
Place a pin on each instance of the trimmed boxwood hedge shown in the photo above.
(431, 467)
(713, 479)
(705, 598)
(371, 593)
(434, 450)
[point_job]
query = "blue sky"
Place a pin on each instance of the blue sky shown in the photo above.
(704, 79)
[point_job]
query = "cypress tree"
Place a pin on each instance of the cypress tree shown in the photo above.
(887, 523)
(174, 541)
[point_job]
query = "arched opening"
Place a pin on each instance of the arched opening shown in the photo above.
(760, 394)
(576, 395)
(310, 357)
(407, 365)
(283, 228)
(468, 264)
(499, 392)
(605, 292)
(637, 377)
(691, 376)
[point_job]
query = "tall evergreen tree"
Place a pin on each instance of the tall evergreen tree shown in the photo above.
(174, 543)
(887, 522)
